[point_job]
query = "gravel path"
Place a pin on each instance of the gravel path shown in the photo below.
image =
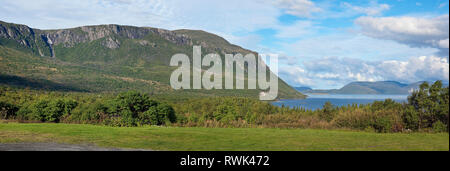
(55, 147)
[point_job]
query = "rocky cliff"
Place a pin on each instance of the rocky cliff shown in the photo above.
(43, 41)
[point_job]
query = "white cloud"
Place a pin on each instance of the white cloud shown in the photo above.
(413, 31)
(335, 72)
(296, 75)
(300, 8)
(353, 46)
(214, 16)
(443, 43)
(373, 9)
(416, 69)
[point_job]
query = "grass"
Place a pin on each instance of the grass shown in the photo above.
(221, 139)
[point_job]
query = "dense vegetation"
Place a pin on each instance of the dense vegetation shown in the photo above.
(426, 110)
(126, 109)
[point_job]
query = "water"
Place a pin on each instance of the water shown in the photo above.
(314, 101)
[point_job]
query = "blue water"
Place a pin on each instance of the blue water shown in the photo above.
(314, 102)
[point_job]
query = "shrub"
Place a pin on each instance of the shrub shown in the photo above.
(167, 112)
(411, 118)
(47, 110)
(7, 111)
(439, 127)
(130, 104)
(150, 117)
(89, 112)
(328, 112)
(381, 121)
(158, 115)
(225, 112)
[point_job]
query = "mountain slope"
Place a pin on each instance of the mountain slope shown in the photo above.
(382, 87)
(303, 89)
(108, 58)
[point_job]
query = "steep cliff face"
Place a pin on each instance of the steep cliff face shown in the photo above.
(70, 37)
(15, 31)
(25, 38)
(42, 41)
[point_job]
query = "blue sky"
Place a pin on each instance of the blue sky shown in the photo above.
(322, 44)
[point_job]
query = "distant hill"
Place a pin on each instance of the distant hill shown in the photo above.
(381, 87)
(303, 89)
(108, 58)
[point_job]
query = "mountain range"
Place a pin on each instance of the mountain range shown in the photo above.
(381, 87)
(108, 58)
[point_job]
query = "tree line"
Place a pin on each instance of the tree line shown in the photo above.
(427, 109)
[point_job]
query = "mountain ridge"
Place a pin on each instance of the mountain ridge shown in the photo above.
(110, 57)
(364, 87)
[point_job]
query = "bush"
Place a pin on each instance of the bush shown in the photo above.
(380, 121)
(167, 112)
(439, 127)
(88, 112)
(328, 112)
(150, 117)
(411, 118)
(158, 115)
(224, 112)
(130, 104)
(47, 110)
(8, 111)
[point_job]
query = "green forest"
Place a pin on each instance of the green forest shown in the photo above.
(427, 110)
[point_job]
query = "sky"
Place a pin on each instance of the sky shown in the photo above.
(321, 44)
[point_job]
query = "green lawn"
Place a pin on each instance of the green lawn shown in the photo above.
(213, 139)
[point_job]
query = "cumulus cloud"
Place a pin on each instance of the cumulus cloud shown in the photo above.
(296, 75)
(336, 72)
(299, 8)
(428, 68)
(413, 31)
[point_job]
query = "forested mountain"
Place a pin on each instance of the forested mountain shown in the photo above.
(107, 58)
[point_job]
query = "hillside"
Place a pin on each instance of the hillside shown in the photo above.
(381, 87)
(303, 89)
(107, 58)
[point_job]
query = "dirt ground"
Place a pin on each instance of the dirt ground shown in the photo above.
(55, 147)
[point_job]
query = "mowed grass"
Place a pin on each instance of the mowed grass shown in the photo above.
(218, 139)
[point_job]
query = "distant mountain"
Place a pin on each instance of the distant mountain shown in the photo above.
(108, 58)
(303, 89)
(381, 87)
